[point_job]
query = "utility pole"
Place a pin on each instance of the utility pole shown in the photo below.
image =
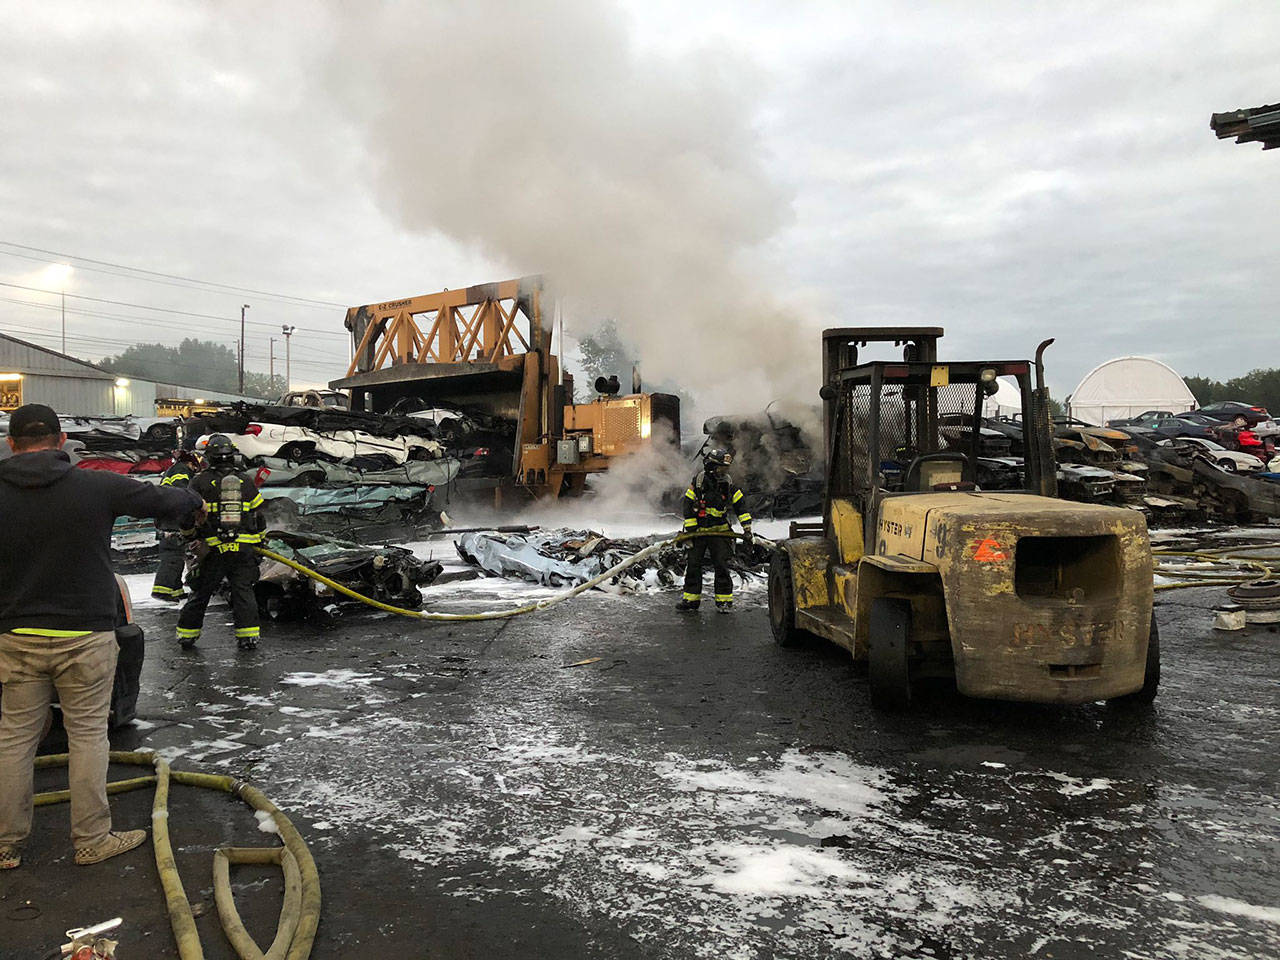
(64, 321)
(242, 310)
(287, 330)
(273, 360)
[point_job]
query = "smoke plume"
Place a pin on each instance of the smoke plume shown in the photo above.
(636, 182)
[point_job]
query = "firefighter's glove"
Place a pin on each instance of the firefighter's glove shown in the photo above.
(748, 538)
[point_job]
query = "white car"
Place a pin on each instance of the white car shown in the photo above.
(1233, 461)
(299, 443)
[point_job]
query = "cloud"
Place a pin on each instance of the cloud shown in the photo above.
(724, 178)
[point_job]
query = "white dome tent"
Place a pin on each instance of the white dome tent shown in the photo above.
(1126, 387)
(1006, 401)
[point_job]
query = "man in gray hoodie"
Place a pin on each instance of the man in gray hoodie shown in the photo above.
(57, 623)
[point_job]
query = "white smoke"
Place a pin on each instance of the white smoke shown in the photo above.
(635, 182)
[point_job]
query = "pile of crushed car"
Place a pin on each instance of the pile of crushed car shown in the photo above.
(1217, 463)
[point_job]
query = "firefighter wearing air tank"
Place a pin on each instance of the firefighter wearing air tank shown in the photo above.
(710, 503)
(173, 545)
(224, 542)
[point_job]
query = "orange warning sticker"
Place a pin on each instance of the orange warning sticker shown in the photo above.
(989, 551)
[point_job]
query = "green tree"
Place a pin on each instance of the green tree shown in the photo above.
(263, 385)
(193, 363)
(604, 353)
(1261, 386)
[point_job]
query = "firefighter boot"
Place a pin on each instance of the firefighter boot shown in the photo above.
(687, 606)
(724, 606)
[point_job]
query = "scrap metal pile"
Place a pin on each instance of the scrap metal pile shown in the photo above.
(778, 465)
(131, 445)
(388, 574)
(1184, 471)
(327, 446)
(565, 558)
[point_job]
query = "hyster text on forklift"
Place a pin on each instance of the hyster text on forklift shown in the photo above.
(917, 572)
(488, 349)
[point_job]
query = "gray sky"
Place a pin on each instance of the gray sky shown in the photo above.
(727, 178)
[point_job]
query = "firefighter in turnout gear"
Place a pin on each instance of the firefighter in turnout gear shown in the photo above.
(710, 503)
(173, 545)
(224, 542)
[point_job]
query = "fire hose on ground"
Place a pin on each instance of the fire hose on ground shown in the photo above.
(300, 912)
(1191, 578)
(534, 607)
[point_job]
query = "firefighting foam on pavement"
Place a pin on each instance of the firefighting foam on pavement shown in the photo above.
(673, 597)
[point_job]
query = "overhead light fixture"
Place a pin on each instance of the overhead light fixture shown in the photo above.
(122, 381)
(10, 377)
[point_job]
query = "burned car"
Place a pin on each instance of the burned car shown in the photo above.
(388, 574)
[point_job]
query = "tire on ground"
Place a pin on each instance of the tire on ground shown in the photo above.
(1151, 678)
(782, 602)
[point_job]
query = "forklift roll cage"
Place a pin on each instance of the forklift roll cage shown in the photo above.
(872, 453)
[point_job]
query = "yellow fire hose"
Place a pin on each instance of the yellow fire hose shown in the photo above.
(1194, 579)
(300, 912)
(543, 604)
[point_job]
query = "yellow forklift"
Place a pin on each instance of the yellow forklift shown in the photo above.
(919, 573)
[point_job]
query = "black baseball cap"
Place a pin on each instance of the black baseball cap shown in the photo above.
(34, 420)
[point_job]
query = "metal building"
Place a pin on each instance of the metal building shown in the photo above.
(35, 374)
(32, 374)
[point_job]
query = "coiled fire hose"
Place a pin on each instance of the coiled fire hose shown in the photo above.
(300, 912)
(543, 604)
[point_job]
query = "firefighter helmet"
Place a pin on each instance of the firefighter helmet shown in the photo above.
(219, 451)
(190, 457)
(717, 459)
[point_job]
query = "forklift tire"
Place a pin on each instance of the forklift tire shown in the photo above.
(888, 666)
(1151, 679)
(782, 602)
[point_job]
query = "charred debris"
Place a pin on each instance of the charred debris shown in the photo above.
(1170, 480)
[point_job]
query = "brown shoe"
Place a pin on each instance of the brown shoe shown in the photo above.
(10, 858)
(115, 843)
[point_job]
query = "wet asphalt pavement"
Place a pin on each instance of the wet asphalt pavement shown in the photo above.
(696, 792)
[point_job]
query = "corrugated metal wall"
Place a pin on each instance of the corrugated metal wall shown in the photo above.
(75, 388)
(63, 384)
(74, 395)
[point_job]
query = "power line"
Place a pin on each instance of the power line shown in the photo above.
(97, 343)
(166, 276)
(143, 306)
(166, 324)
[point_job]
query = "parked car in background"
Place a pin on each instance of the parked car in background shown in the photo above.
(1148, 418)
(1235, 411)
(1245, 439)
(1232, 461)
(1185, 426)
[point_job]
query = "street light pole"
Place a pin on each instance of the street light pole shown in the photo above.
(287, 330)
(242, 310)
(64, 321)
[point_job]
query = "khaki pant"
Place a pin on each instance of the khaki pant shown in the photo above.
(82, 670)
